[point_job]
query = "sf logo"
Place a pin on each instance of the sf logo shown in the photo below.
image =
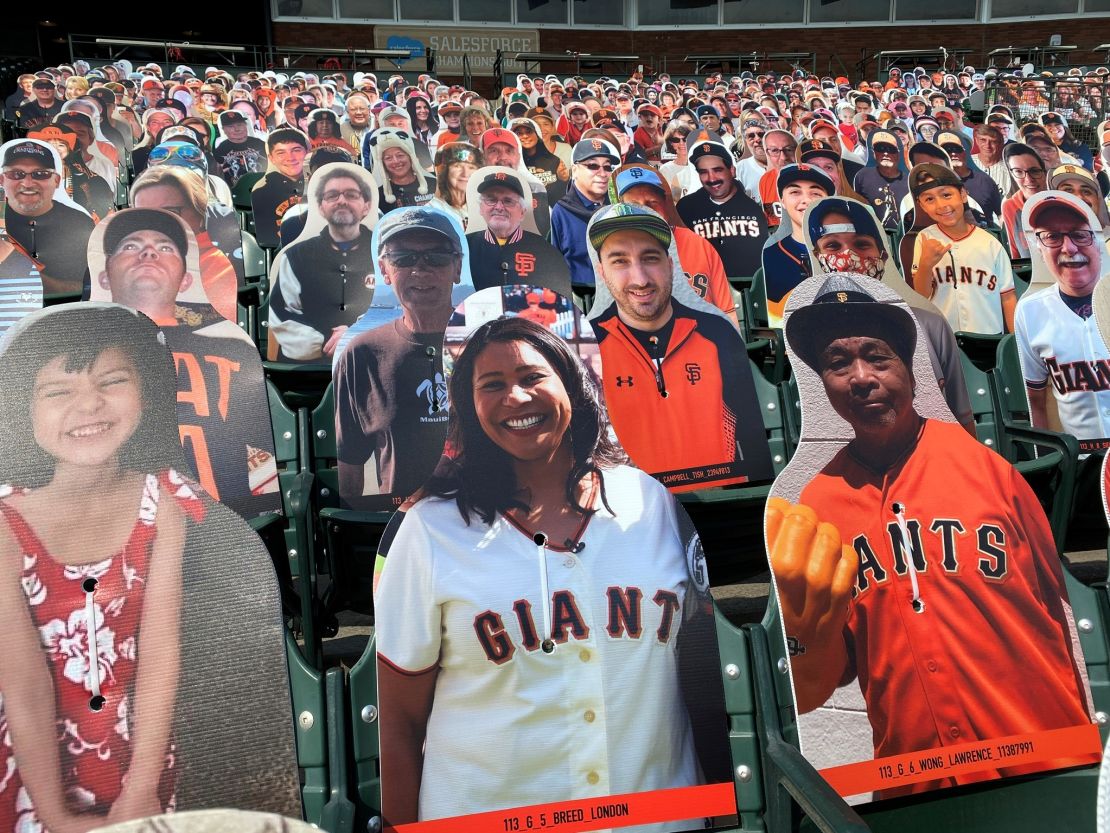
(524, 263)
(693, 372)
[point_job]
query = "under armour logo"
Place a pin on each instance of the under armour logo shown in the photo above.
(624, 380)
(693, 372)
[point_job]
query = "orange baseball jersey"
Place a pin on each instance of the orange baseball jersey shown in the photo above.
(704, 270)
(694, 405)
(769, 197)
(986, 651)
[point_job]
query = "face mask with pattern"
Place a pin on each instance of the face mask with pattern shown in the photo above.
(849, 260)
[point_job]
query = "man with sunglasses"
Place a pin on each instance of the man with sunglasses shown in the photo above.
(53, 233)
(594, 161)
(43, 106)
(1058, 340)
(390, 392)
(503, 252)
(326, 282)
(753, 166)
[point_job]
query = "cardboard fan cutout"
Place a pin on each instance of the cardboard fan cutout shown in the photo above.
(537, 575)
(126, 622)
(786, 261)
(41, 217)
(501, 234)
(182, 192)
(677, 380)
(136, 259)
(844, 236)
(1064, 356)
(239, 151)
(391, 405)
(324, 280)
(502, 149)
(882, 182)
(906, 559)
(282, 187)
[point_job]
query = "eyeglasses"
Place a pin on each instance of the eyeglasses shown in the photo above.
(434, 258)
(1055, 239)
(595, 166)
(39, 175)
(1031, 173)
(350, 195)
(779, 151)
(505, 202)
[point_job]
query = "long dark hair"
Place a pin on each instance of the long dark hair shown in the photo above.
(81, 332)
(480, 476)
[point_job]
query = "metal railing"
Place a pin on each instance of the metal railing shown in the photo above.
(1083, 104)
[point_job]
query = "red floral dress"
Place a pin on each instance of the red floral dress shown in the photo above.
(94, 747)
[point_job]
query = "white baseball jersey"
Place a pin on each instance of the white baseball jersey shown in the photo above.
(970, 280)
(511, 725)
(1061, 349)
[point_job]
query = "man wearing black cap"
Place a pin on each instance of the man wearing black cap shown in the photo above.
(594, 161)
(326, 282)
(282, 187)
(53, 233)
(962, 268)
(984, 580)
(720, 211)
(219, 373)
(239, 153)
(42, 108)
(390, 393)
(504, 253)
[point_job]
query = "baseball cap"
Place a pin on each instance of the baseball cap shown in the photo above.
(626, 217)
(649, 108)
(232, 117)
(707, 110)
(790, 174)
(42, 84)
(500, 179)
(815, 148)
(29, 150)
(946, 140)
(1052, 201)
(999, 117)
(843, 308)
(860, 221)
(401, 220)
(883, 137)
(141, 219)
(574, 105)
(449, 107)
(590, 148)
(498, 135)
(704, 143)
(927, 176)
(631, 177)
(1066, 172)
(944, 111)
(1053, 118)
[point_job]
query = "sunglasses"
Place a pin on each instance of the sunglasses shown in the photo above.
(594, 166)
(40, 175)
(433, 258)
(186, 152)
